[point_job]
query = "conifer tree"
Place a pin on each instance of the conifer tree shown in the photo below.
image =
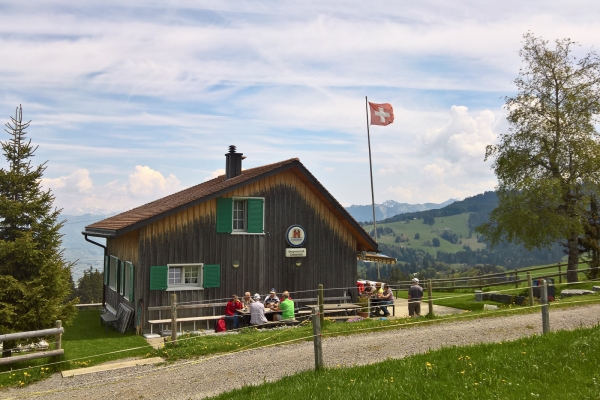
(34, 277)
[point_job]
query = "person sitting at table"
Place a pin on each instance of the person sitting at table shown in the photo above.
(230, 310)
(247, 300)
(368, 289)
(375, 299)
(257, 311)
(271, 300)
(287, 294)
(387, 298)
(286, 307)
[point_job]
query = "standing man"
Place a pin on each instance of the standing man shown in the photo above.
(415, 294)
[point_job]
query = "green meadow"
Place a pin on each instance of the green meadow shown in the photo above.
(559, 365)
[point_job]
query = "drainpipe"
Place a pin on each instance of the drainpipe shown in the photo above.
(105, 254)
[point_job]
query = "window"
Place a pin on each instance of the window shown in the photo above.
(240, 215)
(185, 276)
(112, 272)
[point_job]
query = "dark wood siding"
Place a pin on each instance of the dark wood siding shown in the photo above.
(331, 251)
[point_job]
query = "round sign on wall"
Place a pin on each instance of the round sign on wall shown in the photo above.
(295, 235)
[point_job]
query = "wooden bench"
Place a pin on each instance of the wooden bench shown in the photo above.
(186, 319)
(120, 321)
(206, 318)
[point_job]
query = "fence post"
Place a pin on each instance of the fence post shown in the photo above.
(530, 285)
(429, 294)
(174, 318)
(321, 308)
(544, 301)
(559, 273)
(516, 278)
(316, 323)
(58, 336)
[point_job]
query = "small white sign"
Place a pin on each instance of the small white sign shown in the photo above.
(295, 252)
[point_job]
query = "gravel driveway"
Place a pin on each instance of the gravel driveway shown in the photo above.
(209, 376)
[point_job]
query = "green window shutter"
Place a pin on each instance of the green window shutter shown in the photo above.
(224, 215)
(159, 277)
(106, 269)
(121, 276)
(255, 215)
(130, 271)
(211, 276)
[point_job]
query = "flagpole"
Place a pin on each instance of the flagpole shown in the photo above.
(371, 169)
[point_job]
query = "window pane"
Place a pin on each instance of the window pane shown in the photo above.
(191, 274)
(175, 275)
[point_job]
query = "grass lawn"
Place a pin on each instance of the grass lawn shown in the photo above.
(85, 344)
(554, 366)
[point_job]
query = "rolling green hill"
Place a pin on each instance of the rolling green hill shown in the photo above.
(457, 224)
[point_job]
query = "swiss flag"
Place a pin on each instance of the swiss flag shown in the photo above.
(381, 114)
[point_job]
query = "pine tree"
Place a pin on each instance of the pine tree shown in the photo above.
(34, 277)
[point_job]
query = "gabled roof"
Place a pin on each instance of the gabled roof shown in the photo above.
(161, 208)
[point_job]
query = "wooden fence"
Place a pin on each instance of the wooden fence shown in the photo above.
(481, 281)
(57, 332)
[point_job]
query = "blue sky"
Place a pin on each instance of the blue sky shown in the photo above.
(131, 102)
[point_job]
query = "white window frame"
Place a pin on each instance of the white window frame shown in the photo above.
(245, 230)
(245, 216)
(112, 272)
(182, 285)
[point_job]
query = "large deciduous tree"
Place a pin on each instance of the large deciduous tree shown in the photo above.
(34, 277)
(548, 162)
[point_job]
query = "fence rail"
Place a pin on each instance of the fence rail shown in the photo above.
(57, 331)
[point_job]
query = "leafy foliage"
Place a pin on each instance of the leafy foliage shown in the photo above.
(435, 242)
(34, 277)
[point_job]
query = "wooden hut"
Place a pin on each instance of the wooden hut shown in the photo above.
(228, 235)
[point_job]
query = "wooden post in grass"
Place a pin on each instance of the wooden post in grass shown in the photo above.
(544, 301)
(559, 273)
(321, 308)
(516, 278)
(173, 318)
(58, 339)
(316, 323)
(530, 285)
(429, 294)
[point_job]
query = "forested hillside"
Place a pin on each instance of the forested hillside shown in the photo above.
(438, 243)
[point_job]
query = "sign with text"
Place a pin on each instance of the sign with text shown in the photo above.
(295, 252)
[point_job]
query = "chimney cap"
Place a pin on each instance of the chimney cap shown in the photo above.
(232, 149)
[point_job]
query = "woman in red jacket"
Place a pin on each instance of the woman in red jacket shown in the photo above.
(233, 305)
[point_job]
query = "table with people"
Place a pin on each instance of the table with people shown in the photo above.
(380, 296)
(255, 311)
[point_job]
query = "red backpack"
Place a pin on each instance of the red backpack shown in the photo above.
(220, 326)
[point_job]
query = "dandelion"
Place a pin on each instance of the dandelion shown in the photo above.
(523, 352)
(462, 372)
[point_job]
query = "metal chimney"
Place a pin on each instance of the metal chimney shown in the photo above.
(233, 163)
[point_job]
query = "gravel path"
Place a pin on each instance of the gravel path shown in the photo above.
(205, 377)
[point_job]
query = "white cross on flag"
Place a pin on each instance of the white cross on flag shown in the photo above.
(381, 114)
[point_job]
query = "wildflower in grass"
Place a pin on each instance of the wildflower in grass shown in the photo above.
(462, 372)
(523, 352)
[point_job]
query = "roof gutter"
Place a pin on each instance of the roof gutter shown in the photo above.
(105, 254)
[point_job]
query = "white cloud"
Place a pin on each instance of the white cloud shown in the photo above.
(76, 194)
(215, 173)
(145, 181)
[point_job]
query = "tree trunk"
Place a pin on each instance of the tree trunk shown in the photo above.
(572, 275)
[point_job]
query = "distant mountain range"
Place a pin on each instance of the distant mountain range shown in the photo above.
(391, 208)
